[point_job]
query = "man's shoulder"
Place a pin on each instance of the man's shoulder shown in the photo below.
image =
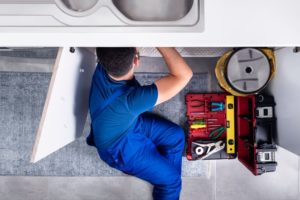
(99, 72)
(99, 78)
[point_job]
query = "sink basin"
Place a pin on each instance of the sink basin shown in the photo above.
(121, 15)
(79, 6)
(154, 10)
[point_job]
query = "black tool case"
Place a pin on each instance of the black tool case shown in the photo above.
(254, 128)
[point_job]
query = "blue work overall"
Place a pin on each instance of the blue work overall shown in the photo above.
(151, 149)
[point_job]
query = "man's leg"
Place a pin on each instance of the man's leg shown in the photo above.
(166, 135)
(137, 155)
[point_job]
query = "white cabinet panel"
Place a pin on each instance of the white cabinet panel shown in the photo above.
(66, 106)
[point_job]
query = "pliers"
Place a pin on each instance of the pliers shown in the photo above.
(215, 134)
(217, 106)
(197, 103)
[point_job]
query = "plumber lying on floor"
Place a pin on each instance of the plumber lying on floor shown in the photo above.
(127, 138)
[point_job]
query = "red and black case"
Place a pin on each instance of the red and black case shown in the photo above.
(255, 126)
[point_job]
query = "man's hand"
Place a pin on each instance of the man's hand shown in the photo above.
(179, 75)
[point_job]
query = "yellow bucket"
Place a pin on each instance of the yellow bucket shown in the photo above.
(222, 76)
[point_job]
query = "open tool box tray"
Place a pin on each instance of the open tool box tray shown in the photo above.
(199, 107)
(252, 123)
(256, 125)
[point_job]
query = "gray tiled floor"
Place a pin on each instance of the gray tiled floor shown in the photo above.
(234, 181)
(94, 188)
(229, 180)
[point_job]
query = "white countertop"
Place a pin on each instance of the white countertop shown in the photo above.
(227, 23)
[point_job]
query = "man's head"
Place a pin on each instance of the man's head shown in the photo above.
(117, 61)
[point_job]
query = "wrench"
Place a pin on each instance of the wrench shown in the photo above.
(211, 148)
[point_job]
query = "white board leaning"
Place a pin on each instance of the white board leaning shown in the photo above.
(66, 107)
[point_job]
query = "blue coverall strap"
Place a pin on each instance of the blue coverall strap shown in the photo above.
(122, 90)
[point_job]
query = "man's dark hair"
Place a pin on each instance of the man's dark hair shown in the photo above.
(116, 61)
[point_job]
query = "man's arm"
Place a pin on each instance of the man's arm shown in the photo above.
(179, 75)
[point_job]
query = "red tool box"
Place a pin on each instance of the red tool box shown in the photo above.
(225, 127)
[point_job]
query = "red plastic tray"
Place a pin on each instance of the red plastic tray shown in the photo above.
(198, 107)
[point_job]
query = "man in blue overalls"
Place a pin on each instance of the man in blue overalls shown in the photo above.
(125, 136)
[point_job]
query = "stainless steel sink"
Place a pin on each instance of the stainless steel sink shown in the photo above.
(79, 6)
(128, 15)
(154, 10)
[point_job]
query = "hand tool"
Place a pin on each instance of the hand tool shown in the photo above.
(230, 126)
(213, 126)
(204, 120)
(197, 103)
(216, 133)
(198, 123)
(198, 113)
(217, 106)
(206, 150)
(197, 126)
(202, 123)
(212, 120)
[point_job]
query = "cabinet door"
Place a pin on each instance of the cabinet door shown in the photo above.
(286, 89)
(66, 107)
